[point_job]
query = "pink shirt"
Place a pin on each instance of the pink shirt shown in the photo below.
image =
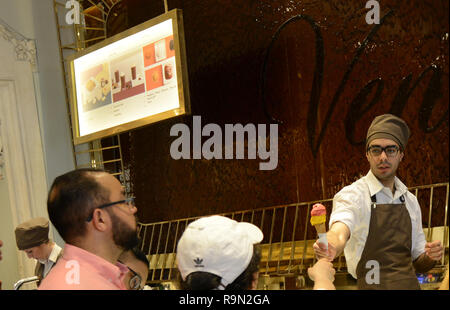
(79, 269)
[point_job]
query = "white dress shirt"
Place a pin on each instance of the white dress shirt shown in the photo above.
(352, 206)
(48, 263)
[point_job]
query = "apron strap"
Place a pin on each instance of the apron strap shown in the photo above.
(374, 198)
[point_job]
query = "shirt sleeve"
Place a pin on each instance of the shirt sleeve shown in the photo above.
(418, 237)
(346, 205)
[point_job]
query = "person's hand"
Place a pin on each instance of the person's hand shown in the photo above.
(434, 250)
(322, 270)
(1, 243)
(321, 251)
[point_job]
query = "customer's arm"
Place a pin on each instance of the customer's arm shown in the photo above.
(322, 273)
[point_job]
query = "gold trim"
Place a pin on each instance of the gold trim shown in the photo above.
(283, 254)
(181, 70)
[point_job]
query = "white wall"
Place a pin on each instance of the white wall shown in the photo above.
(34, 19)
(54, 117)
(18, 14)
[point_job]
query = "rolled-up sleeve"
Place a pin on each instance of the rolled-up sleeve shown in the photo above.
(345, 208)
(418, 237)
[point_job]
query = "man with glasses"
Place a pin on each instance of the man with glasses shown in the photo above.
(89, 209)
(377, 222)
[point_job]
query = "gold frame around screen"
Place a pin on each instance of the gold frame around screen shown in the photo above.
(181, 71)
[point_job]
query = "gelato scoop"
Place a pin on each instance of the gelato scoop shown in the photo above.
(318, 219)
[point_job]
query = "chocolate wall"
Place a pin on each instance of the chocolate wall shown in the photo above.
(324, 75)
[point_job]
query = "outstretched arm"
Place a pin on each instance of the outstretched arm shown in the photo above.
(337, 237)
(322, 273)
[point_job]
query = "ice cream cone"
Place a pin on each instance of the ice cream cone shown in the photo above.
(321, 228)
(318, 219)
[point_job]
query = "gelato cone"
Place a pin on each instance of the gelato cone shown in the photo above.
(321, 228)
(318, 219)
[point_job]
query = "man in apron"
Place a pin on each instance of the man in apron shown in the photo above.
(377, 221)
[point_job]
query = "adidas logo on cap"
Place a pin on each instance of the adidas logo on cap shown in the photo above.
(198, 262)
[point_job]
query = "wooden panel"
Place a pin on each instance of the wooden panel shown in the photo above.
(403, 69)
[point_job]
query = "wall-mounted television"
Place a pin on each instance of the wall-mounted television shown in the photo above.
(132, 79)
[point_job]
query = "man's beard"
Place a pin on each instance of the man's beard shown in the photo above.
(123, 235)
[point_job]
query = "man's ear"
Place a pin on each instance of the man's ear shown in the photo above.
(100, 220)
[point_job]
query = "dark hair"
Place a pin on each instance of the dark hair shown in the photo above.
(208, 281)
(140, 256)
(71, 198)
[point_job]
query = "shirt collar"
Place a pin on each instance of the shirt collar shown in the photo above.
(53, 257)
(114, 272)
(376, 186)
(54, 254)
(400, 188)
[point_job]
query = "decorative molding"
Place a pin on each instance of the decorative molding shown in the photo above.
(24, 48)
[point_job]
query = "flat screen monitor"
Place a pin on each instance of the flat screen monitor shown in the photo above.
(130, 80)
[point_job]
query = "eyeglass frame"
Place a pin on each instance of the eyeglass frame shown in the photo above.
(133, 278)
(384, 149)
(136, 276)
(128, 201)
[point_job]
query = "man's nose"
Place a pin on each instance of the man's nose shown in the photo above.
(383, 155)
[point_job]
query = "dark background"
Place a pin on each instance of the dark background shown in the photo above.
(401, 67)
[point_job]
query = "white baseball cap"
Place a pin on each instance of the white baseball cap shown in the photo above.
(218, 245)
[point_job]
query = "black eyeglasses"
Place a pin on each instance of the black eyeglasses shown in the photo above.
(129, 202)
(390, 150)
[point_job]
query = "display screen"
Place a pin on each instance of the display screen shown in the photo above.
(130, 82)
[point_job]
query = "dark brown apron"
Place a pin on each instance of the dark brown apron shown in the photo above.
(386, 262)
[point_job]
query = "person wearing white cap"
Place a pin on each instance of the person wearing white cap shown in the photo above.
(216, 252)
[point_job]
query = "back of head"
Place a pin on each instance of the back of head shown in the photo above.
(139, 255)
(207, 281)
(215, 252)
(71, 198)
